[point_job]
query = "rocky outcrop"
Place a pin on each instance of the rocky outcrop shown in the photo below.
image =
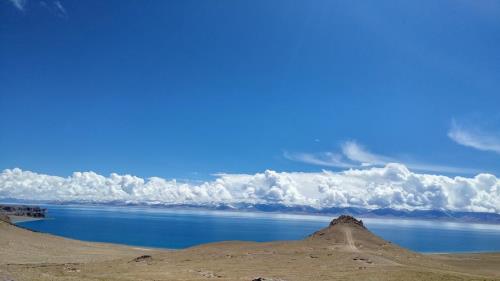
(145, 258)
(345, 219)
(21, 210)
(4, 218)
(266, 279)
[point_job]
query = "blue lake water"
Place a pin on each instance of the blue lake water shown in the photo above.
(175, 229)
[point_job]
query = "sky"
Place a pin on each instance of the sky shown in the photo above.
(199, 90)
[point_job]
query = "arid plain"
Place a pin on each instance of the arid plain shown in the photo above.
(344, 250)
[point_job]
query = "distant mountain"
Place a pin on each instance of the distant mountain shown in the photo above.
(443, 215)
(440, 215)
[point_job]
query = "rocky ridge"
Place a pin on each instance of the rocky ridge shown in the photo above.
(346, 219)
(22, 210)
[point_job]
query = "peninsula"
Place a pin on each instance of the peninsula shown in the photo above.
(16, 213)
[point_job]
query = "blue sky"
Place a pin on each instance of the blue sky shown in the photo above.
(186, 89)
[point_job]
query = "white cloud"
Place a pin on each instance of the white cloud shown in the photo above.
(326, 159)
(475, 138)
(391, 186)
(19, 4)
(55, 6)
(355, 155)
(59, 9)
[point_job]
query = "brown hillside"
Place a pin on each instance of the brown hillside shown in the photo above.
(345, 250)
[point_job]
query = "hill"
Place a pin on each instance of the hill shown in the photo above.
(344, 250)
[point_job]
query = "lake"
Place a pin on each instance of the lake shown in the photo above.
(176, 229)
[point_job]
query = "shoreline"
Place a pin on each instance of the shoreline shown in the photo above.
(344, 244)
(149, 248)
(20, 219)
(284, 212)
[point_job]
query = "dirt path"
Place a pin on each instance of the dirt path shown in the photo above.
(350, 241)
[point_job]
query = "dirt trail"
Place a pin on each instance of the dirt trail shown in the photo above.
(350, 241)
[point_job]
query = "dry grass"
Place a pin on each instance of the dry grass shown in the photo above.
(340, 252)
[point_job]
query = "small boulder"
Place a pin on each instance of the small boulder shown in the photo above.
(143, 258)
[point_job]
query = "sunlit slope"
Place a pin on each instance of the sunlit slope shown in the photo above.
(344, 250)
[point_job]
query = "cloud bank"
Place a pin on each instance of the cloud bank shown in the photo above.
(355, 155)
(475, 138)
(391, 186)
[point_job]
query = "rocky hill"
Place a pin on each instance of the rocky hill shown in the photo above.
(350, 232)
(23, 211)
(4, 218)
